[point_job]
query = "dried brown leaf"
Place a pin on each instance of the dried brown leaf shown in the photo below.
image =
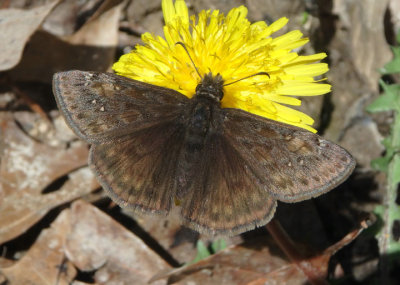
(45, 262)
(97, 242)
(27, 168)
(234, 265)
(102, 28)
(16, 28)
(92, 47)
(179, 241)
(168, 231)
(258, 262)
(28, 165)
(69, 16)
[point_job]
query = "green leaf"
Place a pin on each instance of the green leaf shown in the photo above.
(394, 250)
(387, 142)
(382, 103)
(390, 100)
(304, 17)
(202, 252)
(398, 37)
(394, 65)
(218, 245)
(381, 164)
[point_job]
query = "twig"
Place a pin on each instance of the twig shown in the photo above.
(287, 245)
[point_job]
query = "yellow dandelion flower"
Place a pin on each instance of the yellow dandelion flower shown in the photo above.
(234, 48)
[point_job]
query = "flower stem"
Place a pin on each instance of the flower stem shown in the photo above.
(287, 245)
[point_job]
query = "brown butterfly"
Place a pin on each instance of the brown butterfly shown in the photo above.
(152, 146)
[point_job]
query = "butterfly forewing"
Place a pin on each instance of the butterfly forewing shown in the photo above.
(101, 107)
(293, 164)
(136, 131)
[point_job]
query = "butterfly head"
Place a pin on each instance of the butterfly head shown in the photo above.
(211, 87)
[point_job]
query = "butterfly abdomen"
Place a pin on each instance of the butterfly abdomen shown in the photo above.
(200, 127)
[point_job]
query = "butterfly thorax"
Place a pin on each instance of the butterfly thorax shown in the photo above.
(209, 92)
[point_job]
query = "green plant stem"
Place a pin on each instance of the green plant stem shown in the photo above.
(388, 246)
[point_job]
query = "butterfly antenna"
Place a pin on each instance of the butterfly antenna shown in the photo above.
(259, 73)
(195, 67)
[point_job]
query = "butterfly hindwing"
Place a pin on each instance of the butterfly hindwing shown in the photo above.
(101, 107)
(138, 173)
(224, 195)
(294, 164)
